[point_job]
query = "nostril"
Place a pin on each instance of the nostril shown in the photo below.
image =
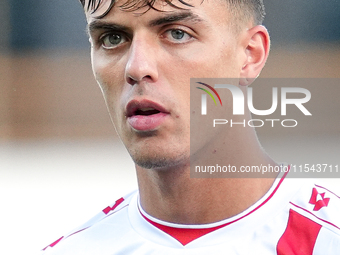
(131, 81)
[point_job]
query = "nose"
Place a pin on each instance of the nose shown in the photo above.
(141, 64)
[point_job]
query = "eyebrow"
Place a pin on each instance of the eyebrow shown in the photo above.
(102, 25)
(170, 18)
(187, 15)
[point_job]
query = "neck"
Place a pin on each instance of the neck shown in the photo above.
(171, 195)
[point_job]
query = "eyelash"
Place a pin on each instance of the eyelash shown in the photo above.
(185, 33)
(105, 36)
(126, 38)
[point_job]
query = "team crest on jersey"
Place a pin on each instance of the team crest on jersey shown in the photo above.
(318, 200)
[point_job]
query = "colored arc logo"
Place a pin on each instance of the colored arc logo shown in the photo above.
(211, 88)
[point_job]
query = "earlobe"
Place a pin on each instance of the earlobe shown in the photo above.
(256, 50)
(246, 81)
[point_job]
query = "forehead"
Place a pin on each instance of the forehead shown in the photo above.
(100, 9)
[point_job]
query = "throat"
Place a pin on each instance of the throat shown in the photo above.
(200, 201)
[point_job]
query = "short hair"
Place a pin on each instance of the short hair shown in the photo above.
(244, 9)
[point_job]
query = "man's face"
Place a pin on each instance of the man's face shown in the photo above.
(143, 64)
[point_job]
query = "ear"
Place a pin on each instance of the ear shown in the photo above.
(257, 45)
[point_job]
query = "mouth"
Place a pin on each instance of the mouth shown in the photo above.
(146, 111)
(145, 115)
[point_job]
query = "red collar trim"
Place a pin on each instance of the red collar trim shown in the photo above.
(187, 235)
(183, 235)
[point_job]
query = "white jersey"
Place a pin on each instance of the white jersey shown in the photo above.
(294, 217)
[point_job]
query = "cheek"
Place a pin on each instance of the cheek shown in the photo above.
(214, 64)
(109, 73)
(110, 78)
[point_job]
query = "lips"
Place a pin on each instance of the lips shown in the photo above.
(145, 115)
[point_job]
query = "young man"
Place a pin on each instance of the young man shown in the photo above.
(143, 56)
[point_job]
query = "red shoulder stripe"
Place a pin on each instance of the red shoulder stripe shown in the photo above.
(109, 208)
(54, 243)
(299, 236)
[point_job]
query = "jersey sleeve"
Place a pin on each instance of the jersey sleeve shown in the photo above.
(313, 226)
(107, 211)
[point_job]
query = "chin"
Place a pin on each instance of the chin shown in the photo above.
(160, 162)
